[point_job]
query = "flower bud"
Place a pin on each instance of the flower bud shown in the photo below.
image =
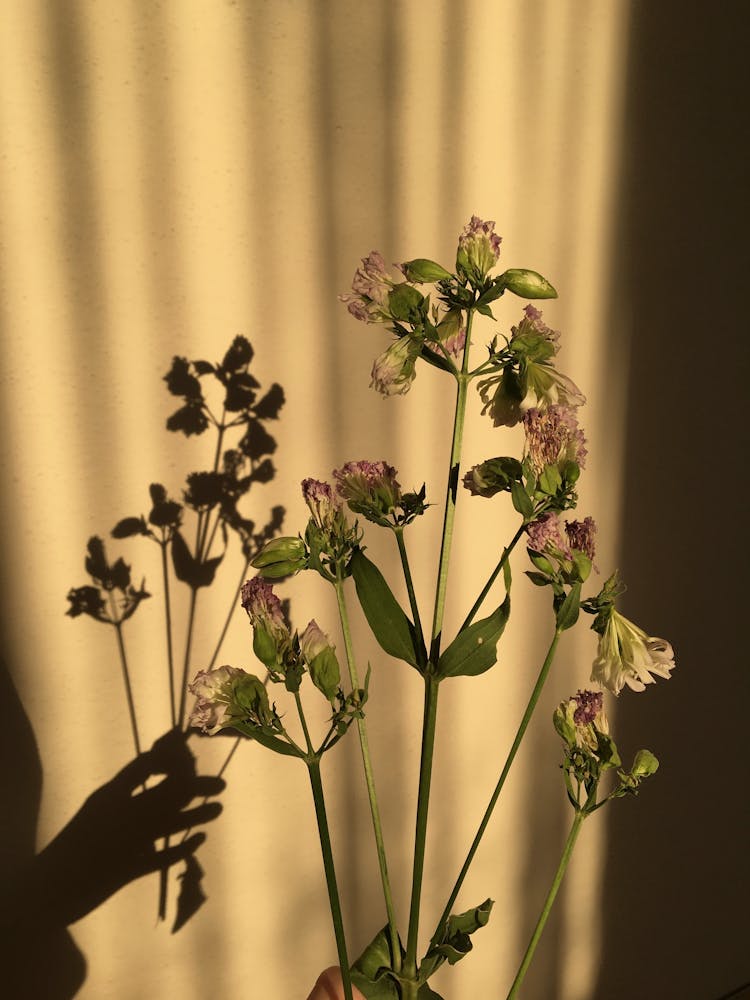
(321, 660)
(422, 270)
(527, 284)
(281, 557)
(645, 764)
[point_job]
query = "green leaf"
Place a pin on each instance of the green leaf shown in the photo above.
(370, 973)
(474, 650)
(265, 739)
(521, 500)
(389, 624)
(455, 941)
(425, 993)
(404, 302)
(384, 989)
(567, 613)
(550, 480)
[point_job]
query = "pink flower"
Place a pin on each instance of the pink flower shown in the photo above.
(371, 286)
(394, 371)
(262, 605)
(478, 249)
(213, 690)
(545, 533)
(553, 437)
(325, 505)
(370, 488)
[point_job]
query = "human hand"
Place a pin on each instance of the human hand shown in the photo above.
(330, 986)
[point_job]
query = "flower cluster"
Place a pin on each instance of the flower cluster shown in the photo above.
(553, 438)
(545, 534)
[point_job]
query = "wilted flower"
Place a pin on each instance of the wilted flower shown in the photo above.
(324, 504)
(370, 285)
(370, 488)
(553, 437)
(545, 533)
(536, 383)
(627, 655)
(582, 536)
(478, 249)
(394, 371)
(262, 605)
(580, 718)
(213, 690)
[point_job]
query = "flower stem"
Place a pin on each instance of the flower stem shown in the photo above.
(370, 781)
(313, 768)
(450, 509)
(420, 832)
(398, 531)
(493, 576)
(541, 679)
(567, 851)
(431, 682)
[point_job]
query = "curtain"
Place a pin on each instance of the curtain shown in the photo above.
(174, 175)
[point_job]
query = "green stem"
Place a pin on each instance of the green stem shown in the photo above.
(420, 832)
(168, 619)
(364, 744)
(450, 509)
(431, 682)
(567, 851)
(313, 768)
(493, 576)
(398, 531)
(541, 679)
(303, 720)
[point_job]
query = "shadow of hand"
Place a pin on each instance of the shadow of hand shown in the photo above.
(112, 839)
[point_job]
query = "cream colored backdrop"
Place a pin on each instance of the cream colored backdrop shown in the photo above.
(174, 174)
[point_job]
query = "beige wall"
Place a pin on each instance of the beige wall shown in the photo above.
(177, 173)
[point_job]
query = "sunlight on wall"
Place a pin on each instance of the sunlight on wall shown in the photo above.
(180, 173)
